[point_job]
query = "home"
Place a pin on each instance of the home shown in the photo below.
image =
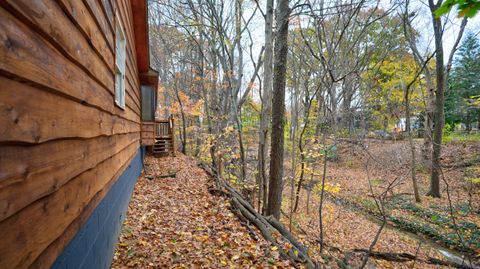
(77, 104)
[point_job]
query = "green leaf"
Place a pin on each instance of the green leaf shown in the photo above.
(468, 8)
(445, 8)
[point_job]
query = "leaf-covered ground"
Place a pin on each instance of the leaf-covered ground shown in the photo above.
(174, 222)
(348, 228)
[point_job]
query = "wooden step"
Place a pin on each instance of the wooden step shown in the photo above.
(162, 144)
(163, 137)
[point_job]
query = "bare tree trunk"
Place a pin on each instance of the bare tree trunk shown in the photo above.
(430, 95)
(308, 200)
(211, 129)
(184, 123)
(333, 103)
(439, 104)
(294, 122)
(410, 140)
(262, 179)
(318, 120)
(442, 75)
(238, 81)
(322, 192)
(240, 143)
(428, 128)
(278, 111)
(301, 146)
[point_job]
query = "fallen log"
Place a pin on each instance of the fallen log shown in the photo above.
(170, 175)
(268, 226)
(405, 257)
(387, 256)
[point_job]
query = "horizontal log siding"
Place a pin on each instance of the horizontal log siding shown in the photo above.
(63, 141)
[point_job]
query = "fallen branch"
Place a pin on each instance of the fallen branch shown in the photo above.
(172, 175)
(392, 257)
(268, 226)
(405, 257)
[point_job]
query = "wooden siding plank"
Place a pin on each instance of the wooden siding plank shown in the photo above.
(147, 135)
(25, 170)
(131, 59)
(132, 70)
(54, 25)
(80, 15)
(34, 228)
(48, 257)
(109, 13)
(132, 104)
(134, 79)
(35, 120)
(28, 56)
(100, 19)
(148, 127)
(130, 90)
(148, 142)
(126, 14)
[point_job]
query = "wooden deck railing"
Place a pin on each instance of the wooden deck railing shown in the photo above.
(160, 135)
(163, 128)
(164, 136)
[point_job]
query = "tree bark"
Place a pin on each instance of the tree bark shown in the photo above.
(439, 104)
(430, 95)
(238, 81)
(301, 145)
(412, 144)
(322, 192)
(294, 124)
(278, 111)
(428, 128)
(320, 114)
(333, 111)
(184, 122)
(262, 179)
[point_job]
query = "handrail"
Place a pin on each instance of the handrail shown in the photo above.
(164, 131)
(164, 128)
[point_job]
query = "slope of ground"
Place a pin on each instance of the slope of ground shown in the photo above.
(173, 222)
(349, 221)
(390, 162)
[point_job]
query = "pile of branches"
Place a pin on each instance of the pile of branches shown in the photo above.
(269, 227)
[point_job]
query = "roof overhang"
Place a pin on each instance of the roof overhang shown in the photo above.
(148, 76)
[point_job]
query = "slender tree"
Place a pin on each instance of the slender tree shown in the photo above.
(266, 97)
(278, 110)
(441, 77)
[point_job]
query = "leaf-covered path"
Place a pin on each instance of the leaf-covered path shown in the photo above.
(174, 222)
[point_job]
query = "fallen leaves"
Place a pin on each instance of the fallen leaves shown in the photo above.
(176, 223)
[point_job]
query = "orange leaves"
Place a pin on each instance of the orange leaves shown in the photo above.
(190, 107)
(176, 223)
(201, 238)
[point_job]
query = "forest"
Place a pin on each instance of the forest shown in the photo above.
(353, 122)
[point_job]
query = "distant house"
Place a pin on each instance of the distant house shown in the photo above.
(76, 91)
(415, 124)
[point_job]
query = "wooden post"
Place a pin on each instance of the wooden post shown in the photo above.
(173, 135)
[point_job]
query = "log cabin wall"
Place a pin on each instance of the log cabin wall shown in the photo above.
(69, 156)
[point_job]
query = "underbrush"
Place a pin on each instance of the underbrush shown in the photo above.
(460, 137)
(434, 223)
(437, 223)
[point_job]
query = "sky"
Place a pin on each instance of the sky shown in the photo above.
(422, 22)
